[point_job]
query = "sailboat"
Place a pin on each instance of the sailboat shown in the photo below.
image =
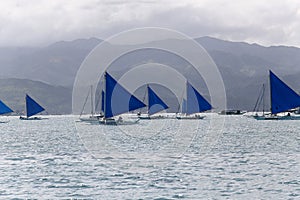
(283, 99)
(4, 109)
(93, 117)
(118, 105)
(155, 105)
(194, 103)
(32, 108)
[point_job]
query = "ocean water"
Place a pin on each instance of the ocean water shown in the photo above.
(60, 158)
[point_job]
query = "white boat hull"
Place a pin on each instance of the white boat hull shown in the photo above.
(273, 117)
(148, 117)
(190, 117)
(32, 118)
(91, 119)
(119, 121)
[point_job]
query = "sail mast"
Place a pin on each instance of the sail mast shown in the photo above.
(263, 96)
(104, 100)
(148, 99)
(146, 91)
(186, 96)
(84, 104)
(26, 106)
(92, 102)
(270, 82)
(180, 106)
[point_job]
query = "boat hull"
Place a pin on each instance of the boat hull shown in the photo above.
(120, 121)
(151, 117)
(231, 112)
(91, 119)
(277, 117)
(187, 117)
(32, 118)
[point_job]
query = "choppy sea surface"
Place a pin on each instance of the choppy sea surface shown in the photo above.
(60, 158)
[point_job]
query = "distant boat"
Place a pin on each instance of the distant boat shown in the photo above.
(155, 105)
(4, 109)
(123, 102)
(32, 108)
(283, 99)
(232, 112)
(93, 117)
(194, 103)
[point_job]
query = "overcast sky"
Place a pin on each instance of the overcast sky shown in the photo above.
(41, 22)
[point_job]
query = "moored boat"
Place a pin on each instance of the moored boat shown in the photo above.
(283, 99)
(155, 105)
(193, 104)
(93, 117)
(117, 101)
(32, 108)
(232, 112)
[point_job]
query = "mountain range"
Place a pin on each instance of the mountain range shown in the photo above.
(48, 72)
(55, 99)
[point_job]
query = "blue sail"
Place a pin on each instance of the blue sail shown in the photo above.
(32, 107)
(283, 98)
(121, 96)
(195, 102)
(4, 108)
(155, 103)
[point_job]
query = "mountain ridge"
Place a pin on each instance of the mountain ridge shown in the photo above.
(55, 99)
(243, 66)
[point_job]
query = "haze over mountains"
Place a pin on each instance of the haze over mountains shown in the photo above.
(244, 68)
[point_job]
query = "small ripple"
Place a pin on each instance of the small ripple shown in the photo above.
(273, 190)
(178, 196)
(108, 158)
(21, 158)
(156, 186)
(82, 186)
(293, 182)
(225, 195)
(240, 179)
(218, 168)
(133, 177)
(118, 175)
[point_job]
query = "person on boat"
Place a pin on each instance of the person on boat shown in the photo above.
(120, 119)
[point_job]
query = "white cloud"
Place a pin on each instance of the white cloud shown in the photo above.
(39, 22)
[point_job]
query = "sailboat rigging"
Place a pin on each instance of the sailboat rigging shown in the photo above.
(282, 98)
(260, 100)
(115, 98)
(93, 117)
(194, 103)
(155, 105)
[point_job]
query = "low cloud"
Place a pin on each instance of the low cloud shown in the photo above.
(40, 22)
